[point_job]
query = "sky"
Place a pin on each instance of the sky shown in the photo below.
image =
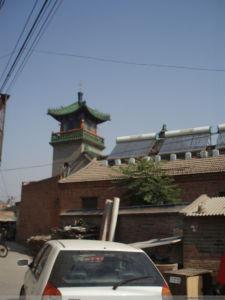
(144, 62)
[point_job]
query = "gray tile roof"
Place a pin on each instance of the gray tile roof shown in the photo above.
(96, 171)
(205, 206)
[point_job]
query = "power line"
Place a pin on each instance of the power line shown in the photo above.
(18, 40)
(23, 47)
(48, 10)
(108, 60)
(36, 40)
(27, 167)
(1, 3)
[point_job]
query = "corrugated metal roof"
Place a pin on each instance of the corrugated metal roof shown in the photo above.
(205, 206)
(7, 216)
(7, 219)
(157, 242)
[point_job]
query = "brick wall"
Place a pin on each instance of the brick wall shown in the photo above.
(39, 208)
(42, 201)
(71, 194)
(135, 227)
(138, 227)
(142, 227)
(193, 186)
(203, 242)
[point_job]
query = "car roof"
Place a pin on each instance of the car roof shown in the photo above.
(68, 244)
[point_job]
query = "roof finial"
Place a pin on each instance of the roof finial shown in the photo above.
(80, 94)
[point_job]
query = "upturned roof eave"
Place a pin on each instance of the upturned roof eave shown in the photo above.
(76, 108)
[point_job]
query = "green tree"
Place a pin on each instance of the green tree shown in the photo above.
(145, 182)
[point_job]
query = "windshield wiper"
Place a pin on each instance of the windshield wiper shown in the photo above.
(122, 282)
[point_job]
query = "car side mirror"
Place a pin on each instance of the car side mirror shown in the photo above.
(22, 262)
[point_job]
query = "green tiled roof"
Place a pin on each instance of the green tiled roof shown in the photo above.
(76, 107)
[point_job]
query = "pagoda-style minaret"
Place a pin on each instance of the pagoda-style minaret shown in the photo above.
(78, 133)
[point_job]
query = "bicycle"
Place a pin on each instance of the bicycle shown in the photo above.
(3, 250)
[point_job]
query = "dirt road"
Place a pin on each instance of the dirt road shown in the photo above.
(11, 275)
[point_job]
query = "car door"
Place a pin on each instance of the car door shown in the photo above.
(34, 279)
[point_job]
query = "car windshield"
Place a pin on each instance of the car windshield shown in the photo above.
(103, 268)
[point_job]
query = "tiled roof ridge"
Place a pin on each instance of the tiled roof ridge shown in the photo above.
(58, 111)
(65, 110)
(93, 161)
(96, 170)
(98, 113)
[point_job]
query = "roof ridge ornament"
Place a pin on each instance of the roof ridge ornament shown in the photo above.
(80, 94)
(80, 98)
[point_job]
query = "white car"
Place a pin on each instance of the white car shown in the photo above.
(90, 269)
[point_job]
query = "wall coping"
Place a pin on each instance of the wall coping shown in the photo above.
(131, 210)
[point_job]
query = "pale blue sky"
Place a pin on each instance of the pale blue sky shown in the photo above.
(139, 98)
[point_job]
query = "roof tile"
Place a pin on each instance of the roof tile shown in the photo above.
(96, 171)
(205, 206)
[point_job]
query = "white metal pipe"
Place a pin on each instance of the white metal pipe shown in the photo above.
(205, 129)
(131, 138)
(221, 127)
(114, 217)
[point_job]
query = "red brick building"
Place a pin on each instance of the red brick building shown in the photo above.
(88, 188)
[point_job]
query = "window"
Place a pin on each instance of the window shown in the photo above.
(90, 203)
(103, 268)
(40, 260)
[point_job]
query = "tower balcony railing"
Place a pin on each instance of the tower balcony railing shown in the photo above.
(76, 134)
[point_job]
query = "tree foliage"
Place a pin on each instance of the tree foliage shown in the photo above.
(145, 182)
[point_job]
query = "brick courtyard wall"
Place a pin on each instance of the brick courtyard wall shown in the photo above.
(192, 186)
(203, 242)
(137, 227)
(142, 227)
(71, 194)
(42, 202)
(133, 228)
(39, 208)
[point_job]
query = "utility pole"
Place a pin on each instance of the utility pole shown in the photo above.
(3, 100)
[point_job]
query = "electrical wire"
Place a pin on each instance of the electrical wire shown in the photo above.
(18, 41)
(108, 60)
(35, 42)
(43, 11)
(27, 167)
(2, 3)
(23, 47)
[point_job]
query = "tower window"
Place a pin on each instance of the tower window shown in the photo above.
(89, 125)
